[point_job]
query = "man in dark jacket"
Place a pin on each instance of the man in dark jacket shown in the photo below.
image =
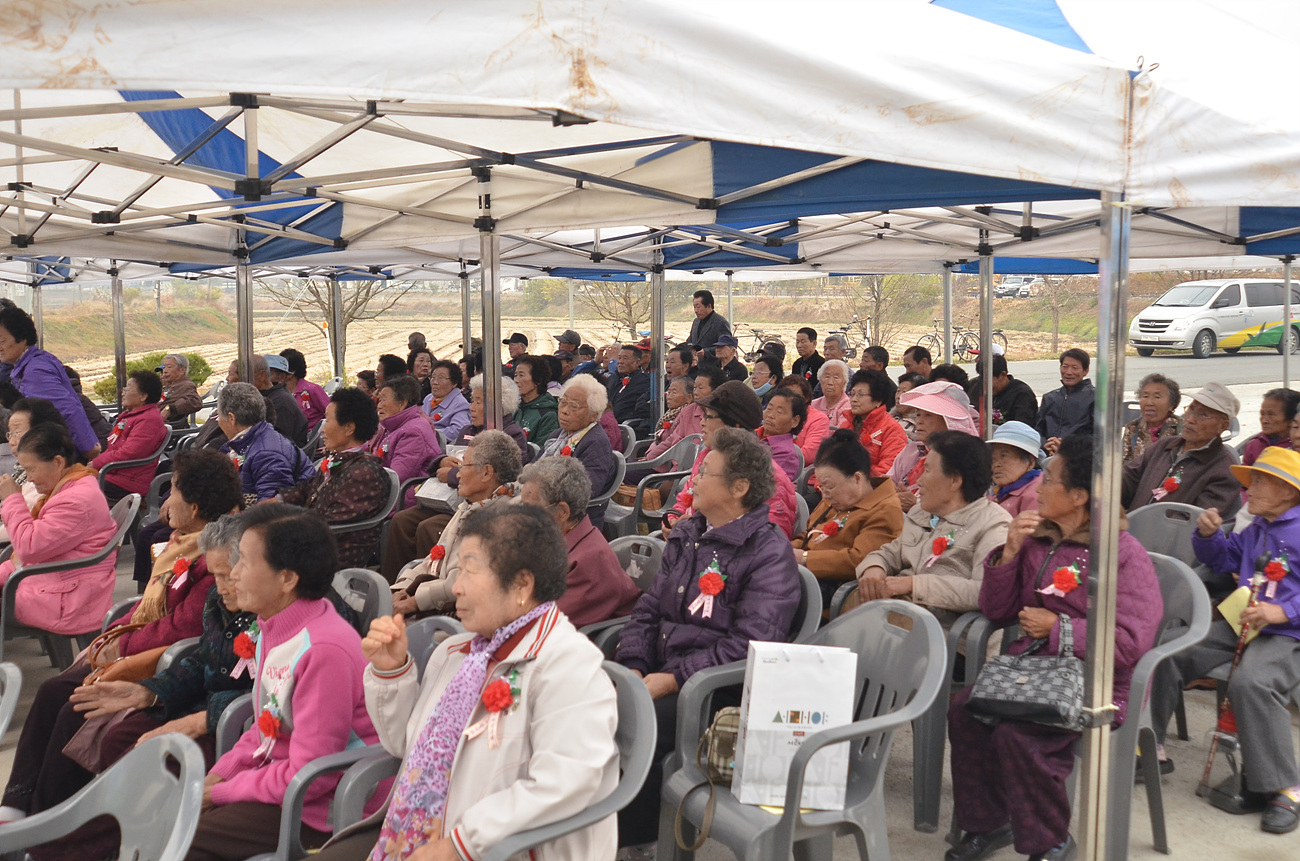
(708, 325)
(1068, 410)
(629, 392)
(1193, 467)
(725, 350)
(810, 361)
(1013, 400)
(288, 418)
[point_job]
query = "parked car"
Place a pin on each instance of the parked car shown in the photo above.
(1010, 286)
(1030, 288)
(1228, 313)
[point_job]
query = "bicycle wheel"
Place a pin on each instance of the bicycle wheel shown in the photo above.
(965, 346)
(999, 338)
(932, 343)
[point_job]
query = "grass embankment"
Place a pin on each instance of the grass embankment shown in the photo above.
(86, 330)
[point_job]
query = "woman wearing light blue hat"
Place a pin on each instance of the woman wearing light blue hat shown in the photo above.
(1016, 475)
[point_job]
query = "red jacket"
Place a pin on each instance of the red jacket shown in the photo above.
(598, 587)
(135, 434)
(882, 436)
(184, 617)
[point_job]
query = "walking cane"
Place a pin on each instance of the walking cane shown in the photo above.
(1225, 707)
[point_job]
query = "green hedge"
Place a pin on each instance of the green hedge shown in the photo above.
(106, 389)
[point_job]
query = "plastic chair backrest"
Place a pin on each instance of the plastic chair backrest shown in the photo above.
(640, 557)
(809, 614)
(442, 439)
(394, 493)
(312, 445)
(620, 470)
(11, 682)
(629, 436)
(153, 500)
(157, 810)
(175, 652)
(535, 451)
(801, 515)
(902, 664)
(119, 612)
(420, 637)
(366, 592)
(108, 468)
(333, 385)
(1166, 528)
(805, 474)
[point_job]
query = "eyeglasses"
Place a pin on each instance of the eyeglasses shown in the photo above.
(712, 417)
(704, 473)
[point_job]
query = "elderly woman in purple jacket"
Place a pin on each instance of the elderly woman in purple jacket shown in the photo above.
(406, 443)
(1009, 780)
(727, 577)
(38, 374)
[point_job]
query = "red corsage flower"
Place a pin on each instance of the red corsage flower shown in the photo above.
(688, 499)
(667, 425)
(438, 552)
(567, 450)
(437, 417)
(627, 380)
(527, 432)
(1275, 570)
(710, 583)
(1065, 580)
(268, 724)
(497, 696)
(939, 545)
(181, 565)
(1170, 484)
(244, 645)
(830, 528)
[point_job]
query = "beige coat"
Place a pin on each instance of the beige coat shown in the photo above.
(557, 754)
(951, 586)
(435, 593)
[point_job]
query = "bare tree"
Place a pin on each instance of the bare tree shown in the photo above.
(626, 304)
(889, 300)
(362, 300)
(1059, 293)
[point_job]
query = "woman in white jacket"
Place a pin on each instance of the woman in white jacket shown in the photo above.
(513, 725)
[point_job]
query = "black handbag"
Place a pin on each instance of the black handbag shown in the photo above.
(1041, 689)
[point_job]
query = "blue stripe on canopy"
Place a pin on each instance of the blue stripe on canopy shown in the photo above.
(1042, 19)
(51, 270)
(689, 256)
(580, 274)
(1254, 220)
(1030, 266)
(863, 187)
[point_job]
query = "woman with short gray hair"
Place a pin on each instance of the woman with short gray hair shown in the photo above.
(582, 400)
(599, 588)
(266, 460)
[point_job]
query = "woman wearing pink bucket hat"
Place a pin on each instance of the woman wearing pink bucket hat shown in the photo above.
(939, 406)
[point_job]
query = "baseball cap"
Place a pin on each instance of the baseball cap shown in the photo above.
(564, 355)
(568, 336)
(277, 363)
(1217, 397)
(517, 338)
(727, 341)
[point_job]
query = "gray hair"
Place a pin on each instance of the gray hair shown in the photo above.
(597, 397)
(258, 361)
(222, 534)
(1174, 394)
(180, 360)
(841, 340)
(496, 449)
(835, 363)
(561, 479)
(745, 457)
(509, 393)
(245, 401)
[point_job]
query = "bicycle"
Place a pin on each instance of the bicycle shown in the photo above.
(965, 342)
(846, 330)
(762, 343)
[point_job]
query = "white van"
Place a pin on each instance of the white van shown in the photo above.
(1229, 313)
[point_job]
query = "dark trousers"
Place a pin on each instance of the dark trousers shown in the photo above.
(354, 847)
(42, 776)
(1014, 772)
(155, 533)
(411, 535)
(234, 832)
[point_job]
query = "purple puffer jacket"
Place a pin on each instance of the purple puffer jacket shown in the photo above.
(407, 445)
(758, 600)
(1009, 588)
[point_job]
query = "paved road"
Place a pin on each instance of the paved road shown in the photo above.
(1191, 373)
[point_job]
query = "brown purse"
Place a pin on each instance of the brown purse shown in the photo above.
(132, 668)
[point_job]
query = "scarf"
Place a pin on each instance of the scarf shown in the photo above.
(72, 473)
(421, 796)
(153, 606)
(1004, 492)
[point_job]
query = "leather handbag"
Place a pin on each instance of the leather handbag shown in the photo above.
(1041, 689)
(716, 757)
(132, 668)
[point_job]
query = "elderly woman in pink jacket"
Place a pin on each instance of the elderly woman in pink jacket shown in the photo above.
(70, 520)
(406, 443)
(137, 433)
(1016, 476)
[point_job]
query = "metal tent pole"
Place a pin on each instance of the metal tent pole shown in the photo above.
(1094, 786)
(489, 252)
(466, 328)
(119, 332)
(657, 324)
(1286, 321)
(731, 288)
(947, 312)
(244, 318)
(38, 306)
(570, 280)
(338, 334)
(986, 331)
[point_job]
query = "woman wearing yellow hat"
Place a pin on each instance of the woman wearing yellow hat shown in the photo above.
(1261, 685)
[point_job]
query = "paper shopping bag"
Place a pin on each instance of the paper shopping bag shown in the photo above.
(792, 692)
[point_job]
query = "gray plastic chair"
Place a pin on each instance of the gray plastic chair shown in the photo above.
(1166, 528)
(312, 446)
(800, 515)
(620, 470)
(153, 499)
(157, 810)
(635, 738)
(808, 616)
(235, 718)
(841, 595)
(421, 637)
(629, 436)
(623, 520)
(109, 468)
(805, 475)
(380, 519)
(333, 385)
(640, 556)
(366, 592)
(902, 667)
(175, 652)
(60, 645)
(535, 451)
(11, 682)
(119, 612)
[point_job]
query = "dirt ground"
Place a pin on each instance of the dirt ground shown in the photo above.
(367, 340)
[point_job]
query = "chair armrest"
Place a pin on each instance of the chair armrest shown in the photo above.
(175, 652)
(604, 635)
(696, 698)
(841, 596)
(406, 486)
(638, 504)
(118, 610)
(639, 448)
(230, 726)
(358, 784)
(289, 847)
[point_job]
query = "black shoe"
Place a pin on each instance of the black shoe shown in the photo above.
(1282, 814)
(975, 846)
(1166, 767)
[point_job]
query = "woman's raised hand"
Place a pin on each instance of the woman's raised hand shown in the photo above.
(386, 645)
(1020, 528)
(1209, 522)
